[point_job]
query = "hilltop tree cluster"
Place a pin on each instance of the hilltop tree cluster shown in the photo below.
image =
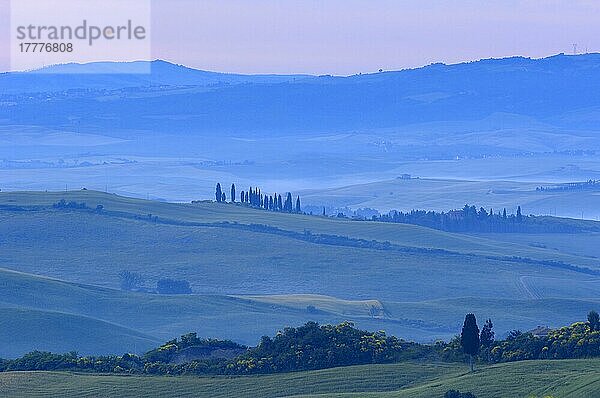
(307, 347)
(315, 346)
(254, 197)
(579, 340)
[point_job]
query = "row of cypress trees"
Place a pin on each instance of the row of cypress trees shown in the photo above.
(254, 197)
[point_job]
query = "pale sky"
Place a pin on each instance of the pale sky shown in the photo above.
(351, 36)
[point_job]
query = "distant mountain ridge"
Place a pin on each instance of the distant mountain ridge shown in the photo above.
(559, 91)
(116, 75)
(113, 75)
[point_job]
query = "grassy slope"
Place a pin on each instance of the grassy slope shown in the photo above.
(564, 379)
(323, 303)
(93, 249)
(568, 379)
(578, 244)
(82, 248)
(49, 314)
(75, 314)
(33, 305)
(407, 235)
(22, 329)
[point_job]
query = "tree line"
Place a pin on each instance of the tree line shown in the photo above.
(579, 340)
(313, 346)
(254, 197)
(471, 219)
(589, 185)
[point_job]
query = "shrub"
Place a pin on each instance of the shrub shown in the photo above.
(458, 394)
(172, 286)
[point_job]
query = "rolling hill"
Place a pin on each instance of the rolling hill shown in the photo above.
(563, 378)
(123, 75)
(39, 313)
(253, 272)
(447, 194)
(24, 329)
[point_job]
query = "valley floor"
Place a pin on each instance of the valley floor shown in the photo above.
(560, 378)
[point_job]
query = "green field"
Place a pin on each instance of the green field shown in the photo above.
(562, 379)
(248, 283)
(47, 314)
(577, 244)
(402, 234)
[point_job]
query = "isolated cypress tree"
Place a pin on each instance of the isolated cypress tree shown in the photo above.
(504, 213)
(469, 338)
(242, 197)
(298, 204)
(223, 197)
(519, 215)
(232, 193)
(218, 193)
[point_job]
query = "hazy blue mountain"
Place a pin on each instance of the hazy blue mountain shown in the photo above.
(559, 91)
(118, 75)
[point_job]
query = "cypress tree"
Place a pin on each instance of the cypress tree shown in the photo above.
(232, 193)
(298, 204)
(487, 334)
(218, 193)
(469, 338)
(519, 215)
(242, 197)
(279, 205)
